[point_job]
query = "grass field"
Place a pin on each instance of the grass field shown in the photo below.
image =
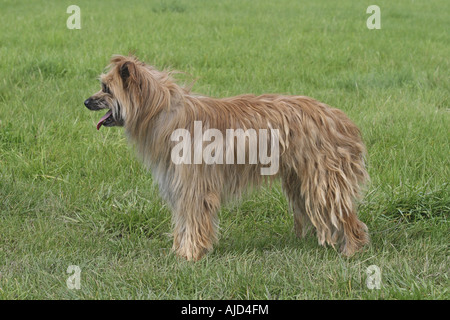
(71, 195)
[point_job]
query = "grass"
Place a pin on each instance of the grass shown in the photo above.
(70, 195)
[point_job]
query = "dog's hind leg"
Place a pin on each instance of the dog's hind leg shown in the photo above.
(195, 224)
(291, 186)
(330, 202)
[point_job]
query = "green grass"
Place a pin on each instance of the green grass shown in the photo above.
(70, 195)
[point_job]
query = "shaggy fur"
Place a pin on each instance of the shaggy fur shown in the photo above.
(321, 163)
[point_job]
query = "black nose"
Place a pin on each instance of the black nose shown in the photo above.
(86, 102)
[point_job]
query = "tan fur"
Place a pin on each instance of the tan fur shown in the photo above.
(321, 161)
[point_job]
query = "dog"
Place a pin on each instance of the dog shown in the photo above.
(320, 161)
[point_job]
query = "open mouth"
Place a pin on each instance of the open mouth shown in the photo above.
(106, 120)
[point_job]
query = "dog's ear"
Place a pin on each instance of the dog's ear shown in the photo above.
(126, 69)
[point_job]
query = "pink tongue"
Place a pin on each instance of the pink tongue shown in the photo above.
(103, 119)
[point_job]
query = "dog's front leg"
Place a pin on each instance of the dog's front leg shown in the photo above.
(195, 224)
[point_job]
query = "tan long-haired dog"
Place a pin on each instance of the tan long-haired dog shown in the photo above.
(320, 156)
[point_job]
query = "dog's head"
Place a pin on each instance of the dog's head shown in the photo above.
(118, 92)
(133, 93)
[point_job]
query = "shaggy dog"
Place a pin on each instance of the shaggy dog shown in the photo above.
(318, 152)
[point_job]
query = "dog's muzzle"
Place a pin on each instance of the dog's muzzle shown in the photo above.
(109, 119)
(92, 104)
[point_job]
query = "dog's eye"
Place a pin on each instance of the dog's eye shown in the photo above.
(105, 88)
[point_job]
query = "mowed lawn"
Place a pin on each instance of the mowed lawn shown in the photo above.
(72, 195)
